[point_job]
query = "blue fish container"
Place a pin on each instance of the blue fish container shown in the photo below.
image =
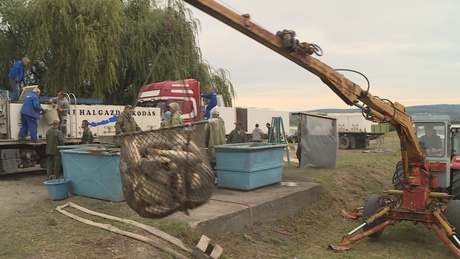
(58, 189)
(247, 166)
(93, 175)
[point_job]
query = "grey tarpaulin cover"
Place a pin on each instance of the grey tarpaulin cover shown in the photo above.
(319, 141)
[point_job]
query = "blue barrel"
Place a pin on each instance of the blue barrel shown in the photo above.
(58, 189)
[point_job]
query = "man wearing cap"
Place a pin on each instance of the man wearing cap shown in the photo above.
(62, 106)
(125, 122)
(54, 138)
(238, 135)
(30, 113)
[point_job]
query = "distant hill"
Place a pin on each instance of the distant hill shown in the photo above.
(453, 110)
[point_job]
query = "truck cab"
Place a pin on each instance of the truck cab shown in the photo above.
(184, 92)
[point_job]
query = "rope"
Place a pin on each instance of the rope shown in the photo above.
(155, 61)
(169, 30)
(111, 228)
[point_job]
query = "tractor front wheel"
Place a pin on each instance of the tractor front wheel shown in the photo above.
(456, 184)
(453, 216)
(374, 203)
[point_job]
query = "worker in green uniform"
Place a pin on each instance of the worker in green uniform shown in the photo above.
(125, 122)
(54, 138)
(87, 135)
(238, 135)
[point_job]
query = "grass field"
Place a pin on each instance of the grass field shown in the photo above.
(39, 231)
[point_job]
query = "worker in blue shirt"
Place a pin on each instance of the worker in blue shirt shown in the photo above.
(212, 96)
(30, 113)
(16, 76)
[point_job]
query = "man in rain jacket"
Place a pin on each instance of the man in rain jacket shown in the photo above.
(125, 122)
(175, 118)
(215, 134)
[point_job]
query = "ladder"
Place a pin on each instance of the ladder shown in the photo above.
(277, 135)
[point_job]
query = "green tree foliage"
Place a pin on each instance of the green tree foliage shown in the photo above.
(79, 42)
(106, 48)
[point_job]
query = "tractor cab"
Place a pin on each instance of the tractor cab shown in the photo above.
(434, 136)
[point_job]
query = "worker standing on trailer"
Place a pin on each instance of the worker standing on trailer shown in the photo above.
(54, 138)
(16, 76)
(125, 122)
(87, 135)
(30, 113)
(62, 106)
(212, 96)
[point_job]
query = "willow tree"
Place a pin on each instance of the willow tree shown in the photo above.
(168, 54)
(106, 48)
(79, 41)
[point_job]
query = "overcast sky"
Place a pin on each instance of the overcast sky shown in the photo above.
(409, 50)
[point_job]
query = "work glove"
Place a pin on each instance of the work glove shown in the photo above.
(53, 105)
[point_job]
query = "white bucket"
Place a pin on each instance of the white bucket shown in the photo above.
(50, 116)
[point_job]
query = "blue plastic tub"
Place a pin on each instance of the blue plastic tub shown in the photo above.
(58, 189)
(93, 175)
(248, 166)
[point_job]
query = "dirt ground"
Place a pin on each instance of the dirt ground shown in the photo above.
(17, 191)
(24, 198)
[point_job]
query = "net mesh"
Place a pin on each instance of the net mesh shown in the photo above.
(165, 170)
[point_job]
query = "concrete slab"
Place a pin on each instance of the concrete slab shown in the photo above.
(231, 211)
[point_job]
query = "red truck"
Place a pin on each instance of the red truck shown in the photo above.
(185, 92)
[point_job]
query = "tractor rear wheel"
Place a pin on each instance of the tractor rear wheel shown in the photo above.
(453, 216)
(456, 185)
(398, 176)
(373, 204)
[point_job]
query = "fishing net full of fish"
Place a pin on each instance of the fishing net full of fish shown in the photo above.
(165, 170)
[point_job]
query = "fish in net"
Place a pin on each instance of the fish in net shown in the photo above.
(165, 170)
